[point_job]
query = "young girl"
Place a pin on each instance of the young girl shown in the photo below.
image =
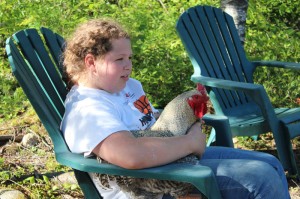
(101, 112)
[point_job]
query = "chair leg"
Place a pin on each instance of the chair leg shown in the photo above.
(289, 127)
(212, 137)
(254, 137)
(292, 164)
(286, 153)
(87, 186)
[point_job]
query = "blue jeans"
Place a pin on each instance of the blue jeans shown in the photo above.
(243, 174)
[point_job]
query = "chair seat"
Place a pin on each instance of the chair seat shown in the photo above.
(254, 123)
(291, 123)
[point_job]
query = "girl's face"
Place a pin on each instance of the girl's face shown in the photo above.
(113, 70)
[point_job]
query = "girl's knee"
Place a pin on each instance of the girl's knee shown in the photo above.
(265, 181)
(251, 179)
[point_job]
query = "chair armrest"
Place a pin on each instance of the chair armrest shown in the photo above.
(197, 175)
(248, 88)
(255, 91)
(278, 64)
(222, 128)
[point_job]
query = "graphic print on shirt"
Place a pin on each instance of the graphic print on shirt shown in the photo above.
(128, 95)
(143, 105)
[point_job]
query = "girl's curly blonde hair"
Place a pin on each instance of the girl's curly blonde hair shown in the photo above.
(94, 37)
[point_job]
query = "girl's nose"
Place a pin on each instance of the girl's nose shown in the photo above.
(128, 64)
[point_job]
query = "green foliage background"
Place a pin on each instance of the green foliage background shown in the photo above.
(160, 61)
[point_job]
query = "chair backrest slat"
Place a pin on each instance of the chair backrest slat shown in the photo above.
(212, 42)
(55, 44)
(38, 57)
(38, 75)
(212, 50)
(37, 94)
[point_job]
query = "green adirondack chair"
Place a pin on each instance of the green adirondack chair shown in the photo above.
(219, 61)
(37, 67)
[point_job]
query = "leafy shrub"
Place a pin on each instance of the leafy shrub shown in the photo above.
(273, 34)
(160, 61)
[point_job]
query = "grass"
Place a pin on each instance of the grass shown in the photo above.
(32, 170)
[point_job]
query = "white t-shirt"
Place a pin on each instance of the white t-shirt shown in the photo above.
(91, 115)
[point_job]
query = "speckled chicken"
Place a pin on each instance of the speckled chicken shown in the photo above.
(177, 117)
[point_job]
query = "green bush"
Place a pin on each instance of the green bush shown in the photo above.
(273, 34)
(160, 61)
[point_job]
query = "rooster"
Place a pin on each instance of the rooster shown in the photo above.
(175, 120)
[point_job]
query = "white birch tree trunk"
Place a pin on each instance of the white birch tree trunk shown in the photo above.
(238, 10)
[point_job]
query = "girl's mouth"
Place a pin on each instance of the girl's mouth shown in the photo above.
(126, 77)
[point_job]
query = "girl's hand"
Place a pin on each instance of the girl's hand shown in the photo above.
(197, 139)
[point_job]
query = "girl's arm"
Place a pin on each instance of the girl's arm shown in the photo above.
(123, 149)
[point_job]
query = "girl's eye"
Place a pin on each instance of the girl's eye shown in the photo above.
(121, 59)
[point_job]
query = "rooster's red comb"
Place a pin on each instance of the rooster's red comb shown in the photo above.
(198, 102)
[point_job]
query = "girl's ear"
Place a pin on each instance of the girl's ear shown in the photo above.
(89, 61)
